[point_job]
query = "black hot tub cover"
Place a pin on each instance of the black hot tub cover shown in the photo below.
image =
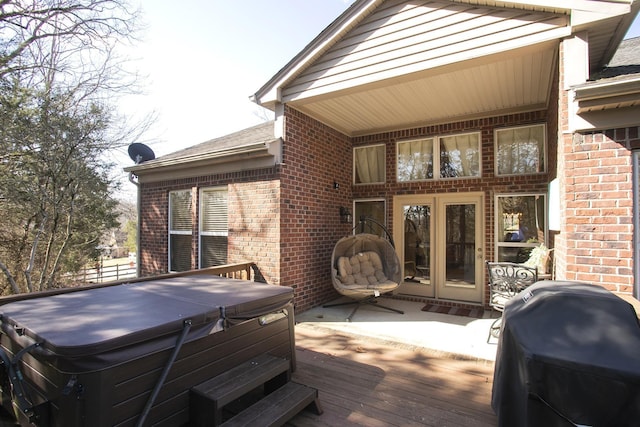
(96, 328)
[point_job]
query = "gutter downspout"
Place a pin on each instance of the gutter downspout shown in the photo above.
(132, 177)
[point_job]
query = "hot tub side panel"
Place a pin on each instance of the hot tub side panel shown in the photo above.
(116, 396)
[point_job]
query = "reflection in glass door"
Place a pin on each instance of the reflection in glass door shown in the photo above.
(461, 245)
(461, 242)
(417, 249)
(439, 239)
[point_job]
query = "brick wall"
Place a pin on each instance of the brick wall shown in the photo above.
(254, 198)
(254, 226)
(595, 244)
(315, 156)
(286, 219)
(153, 239)
(487, 183)
(599, 208)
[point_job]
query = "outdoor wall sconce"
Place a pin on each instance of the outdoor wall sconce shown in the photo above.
(345, 215)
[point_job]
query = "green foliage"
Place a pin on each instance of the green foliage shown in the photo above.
(131, 228)
(59, 71)
(54, 187)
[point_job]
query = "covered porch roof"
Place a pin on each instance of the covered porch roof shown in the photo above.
(386, 65)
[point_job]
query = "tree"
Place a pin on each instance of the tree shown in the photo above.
(55, 189)
(131, 243)
(58, 75)
(27, 25)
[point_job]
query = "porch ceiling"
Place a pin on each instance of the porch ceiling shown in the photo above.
(510, 82)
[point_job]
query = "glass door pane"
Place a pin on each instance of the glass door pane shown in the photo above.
(460, 244)
(417, 249)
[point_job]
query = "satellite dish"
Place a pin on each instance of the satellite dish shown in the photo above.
(140, 153)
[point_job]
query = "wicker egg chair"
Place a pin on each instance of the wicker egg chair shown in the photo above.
(365, 266)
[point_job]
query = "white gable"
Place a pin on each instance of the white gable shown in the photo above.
(386, 65)
(402, 38)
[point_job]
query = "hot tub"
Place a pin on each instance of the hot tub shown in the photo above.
(97, 357)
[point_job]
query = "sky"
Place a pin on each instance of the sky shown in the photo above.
(202, 61)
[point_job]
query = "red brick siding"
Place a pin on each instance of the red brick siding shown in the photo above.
(599, 208)
(487, 183)
(253, 219)
(287, 219)
(154, 238)
(315, 156)
(254, 226)
(595, 244)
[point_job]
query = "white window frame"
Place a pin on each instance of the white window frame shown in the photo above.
(438, 154)
(384, 164)
(172, 232)
(499, 243)
(201, 217)
(433, 158)
(543, 164)
(436, 142)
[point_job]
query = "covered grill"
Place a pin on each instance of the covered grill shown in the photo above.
(569, 354)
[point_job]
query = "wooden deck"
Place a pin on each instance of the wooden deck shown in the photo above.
(369, 382)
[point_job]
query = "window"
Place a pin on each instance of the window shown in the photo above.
(415, 160)
(454, 156)
(180, 230)
(374, 209)
(520, 150)
(369, 164)
(520, 225)
(214, 230)
(460, 155)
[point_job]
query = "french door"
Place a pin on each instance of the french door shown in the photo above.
(439, 239)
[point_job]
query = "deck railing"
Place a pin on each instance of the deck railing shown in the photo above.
(105, 273)
(241, 270)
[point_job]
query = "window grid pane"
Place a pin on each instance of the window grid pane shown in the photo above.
(214, 227)
(180, 252)
(520, 150)
(460, 156)
(214, 217)
(180, 211)
(415, 160)
(369, 164)
(372, 209)
(520, 226)
(213, 251)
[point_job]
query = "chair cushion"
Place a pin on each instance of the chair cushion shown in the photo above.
(363, 270)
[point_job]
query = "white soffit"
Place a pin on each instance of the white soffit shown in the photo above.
(499, 84)
(423, 62)
(386, 65)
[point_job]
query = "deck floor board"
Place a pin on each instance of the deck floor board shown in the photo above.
(364, 381)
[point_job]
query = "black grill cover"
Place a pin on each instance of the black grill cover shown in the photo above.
(568, 354)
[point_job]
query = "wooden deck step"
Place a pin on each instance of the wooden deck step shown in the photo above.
(209, 398)
(278, 407)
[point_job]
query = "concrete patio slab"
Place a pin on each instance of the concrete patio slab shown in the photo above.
(458, 335)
